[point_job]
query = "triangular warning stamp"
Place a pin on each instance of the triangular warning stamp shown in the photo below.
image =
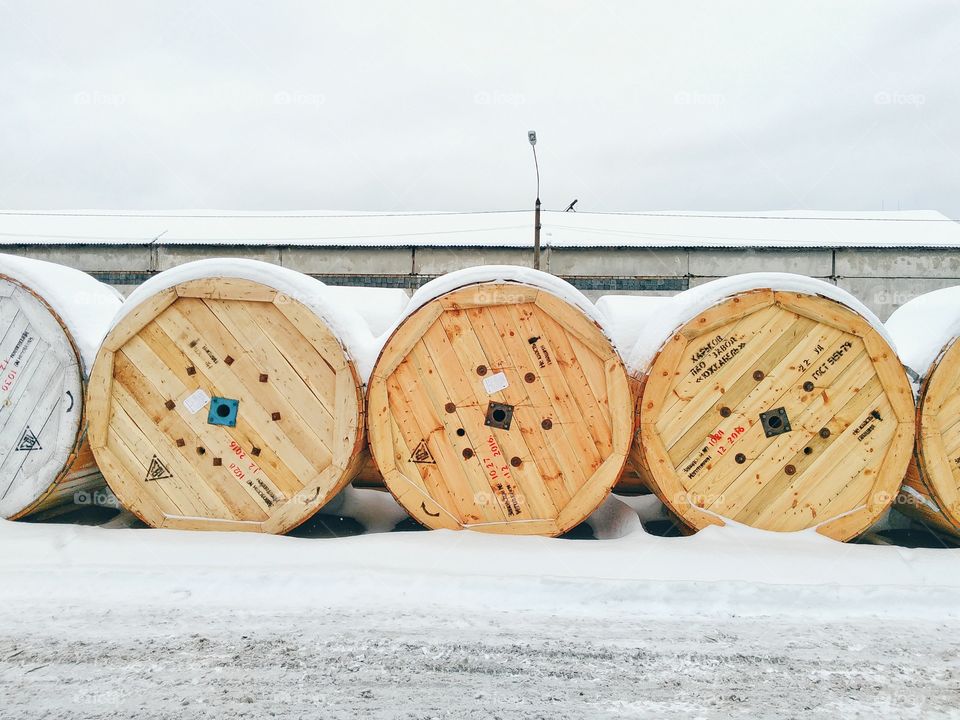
(157, 470)
(422, 454)
(29, 441)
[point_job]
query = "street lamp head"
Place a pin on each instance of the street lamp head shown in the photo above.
(532, 136)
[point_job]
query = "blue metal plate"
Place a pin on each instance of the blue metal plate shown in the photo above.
(223, 411)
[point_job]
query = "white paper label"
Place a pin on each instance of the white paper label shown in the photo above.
(495, 383)
(196, 402)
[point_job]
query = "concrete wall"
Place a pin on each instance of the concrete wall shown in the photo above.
(882, 279)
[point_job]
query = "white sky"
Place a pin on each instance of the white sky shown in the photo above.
(425, 106)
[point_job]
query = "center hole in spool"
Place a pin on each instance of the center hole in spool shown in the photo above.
(223, 411)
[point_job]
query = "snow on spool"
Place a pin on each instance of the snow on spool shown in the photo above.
(51, 320)
(772, 400)
(498, 404)
(926, 332)
(226, 397)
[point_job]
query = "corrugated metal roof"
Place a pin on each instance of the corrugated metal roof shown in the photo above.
(785, 229)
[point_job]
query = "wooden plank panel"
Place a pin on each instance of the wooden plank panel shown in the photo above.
(241, 500)
(823, 376)
(443, 366)
(299, 429)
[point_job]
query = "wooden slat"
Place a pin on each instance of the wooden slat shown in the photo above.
(793, 480)
(299, 429)
(572, 411)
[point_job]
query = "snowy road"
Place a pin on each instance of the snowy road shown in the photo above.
(500, 665)
(729, 623)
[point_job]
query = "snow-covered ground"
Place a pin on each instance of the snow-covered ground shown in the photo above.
(115, 622)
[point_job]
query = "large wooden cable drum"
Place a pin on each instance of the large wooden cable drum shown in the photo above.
(926, 331)
(226, 397)
(498, 404)
(51, 320)
(772, 400)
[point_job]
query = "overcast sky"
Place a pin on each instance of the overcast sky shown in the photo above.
(425, 106)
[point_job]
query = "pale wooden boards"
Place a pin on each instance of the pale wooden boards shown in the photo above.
(443, 448)
(298, 433)
(43, 455)
(703, 447)
(931, 490)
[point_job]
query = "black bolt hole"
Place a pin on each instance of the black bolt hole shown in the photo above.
(223, 411)
(740, 458)
(807, 450)
(461, 432)
(201, 451)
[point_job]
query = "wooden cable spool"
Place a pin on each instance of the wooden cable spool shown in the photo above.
(45, 459)
(779, 410)
(225, 403)
(499, 407)
(924, 328)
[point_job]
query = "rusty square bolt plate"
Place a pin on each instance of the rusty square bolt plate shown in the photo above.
(775, 422)
(499, 415)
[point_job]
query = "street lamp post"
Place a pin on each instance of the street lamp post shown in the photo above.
(532, 137)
